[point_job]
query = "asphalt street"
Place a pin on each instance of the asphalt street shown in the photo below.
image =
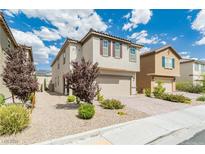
(197, 139)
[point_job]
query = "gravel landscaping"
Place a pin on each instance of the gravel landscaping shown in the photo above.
(54, 118)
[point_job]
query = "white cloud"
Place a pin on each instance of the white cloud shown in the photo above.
(110, 20)
(174, 38)
(69, 23)
(47, 34)
(186, 55)
(40, 51)
(142, 38)
(126, 16)
(137, 17)
(199, 25)
(163, 42)
(145, 49)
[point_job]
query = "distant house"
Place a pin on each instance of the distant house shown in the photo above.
(163, 65)
(7, 41)
(118, 61)
(192, 71)
(43, 75)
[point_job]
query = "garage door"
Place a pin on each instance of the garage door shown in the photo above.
(166, 83)
(114, 85)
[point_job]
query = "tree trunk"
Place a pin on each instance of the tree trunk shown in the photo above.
(13, 98)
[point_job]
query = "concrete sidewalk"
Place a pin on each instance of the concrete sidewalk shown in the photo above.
(143, 131)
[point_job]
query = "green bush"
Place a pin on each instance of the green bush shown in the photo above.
(189, 87)
(121, 113)
(112, 104)
(201, 98)
(71, 98)
(176, 98)
(13, 119)
(86, 111)
(158, 90)
(147, 92)
(100, 97)
(2, 99)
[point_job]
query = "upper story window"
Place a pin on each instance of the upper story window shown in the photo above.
(64, 57)
(133, 56)
(117, 53)
(196, 67)
(105, 48)
(9, 43)
(203, 68)
(168, 62)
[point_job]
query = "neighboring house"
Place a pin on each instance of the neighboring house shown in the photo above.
(163, 65)
(118, 61)
(191, 70)
(43, 75)
(7, 41)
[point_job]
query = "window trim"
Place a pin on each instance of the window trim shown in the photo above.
(114, 50)
(103, 51)
(172, 64)
(130, 54)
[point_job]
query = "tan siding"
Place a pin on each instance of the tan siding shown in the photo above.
(147, 65)
(163, 71)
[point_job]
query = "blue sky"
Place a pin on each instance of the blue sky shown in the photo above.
(46, 30)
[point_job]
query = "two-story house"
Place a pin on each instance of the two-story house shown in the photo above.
(163, 65)
(7, 41)
(118, 61)
(192, 71)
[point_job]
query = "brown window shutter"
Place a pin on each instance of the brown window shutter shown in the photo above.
(109, 48)
(120, 50)
(113, 49)
(101, 46)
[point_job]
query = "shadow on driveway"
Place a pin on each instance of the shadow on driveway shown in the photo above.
(71, 106)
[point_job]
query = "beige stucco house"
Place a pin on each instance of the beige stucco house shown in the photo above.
(118, 61)
(163, 65)
(7, 40)
(191, 71)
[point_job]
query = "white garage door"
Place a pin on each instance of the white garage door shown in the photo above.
(114, 85)
(166, 83)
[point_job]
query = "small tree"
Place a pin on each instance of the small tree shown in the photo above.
(18, 74)
(159, 90)
(82, 80)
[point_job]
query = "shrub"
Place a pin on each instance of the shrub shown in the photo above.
(13, 119)
(86, 111)
(121, 113)
(147, 92)
(189, 87)
(158, 90)
(2, 99)
(176, 98)
(201, 98)
(112, 104)
(71, 98)
(100, 97)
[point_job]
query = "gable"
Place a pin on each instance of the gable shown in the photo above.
(168, 52)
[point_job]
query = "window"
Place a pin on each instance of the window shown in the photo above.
(64, 57)
(9, 43)
(105, 48)
(117, 50)
(133, 54)
(203, 68)
(168, 62)
(196, 67)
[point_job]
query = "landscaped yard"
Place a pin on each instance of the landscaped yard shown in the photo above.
(53, 118)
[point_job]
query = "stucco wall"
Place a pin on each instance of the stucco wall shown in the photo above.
(3, 46)
(186, 72)
(163, 71)
(112, 62)
(147, 65)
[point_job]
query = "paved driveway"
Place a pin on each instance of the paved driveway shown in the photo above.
(151, 106)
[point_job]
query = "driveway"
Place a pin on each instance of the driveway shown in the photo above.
(152, 106)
